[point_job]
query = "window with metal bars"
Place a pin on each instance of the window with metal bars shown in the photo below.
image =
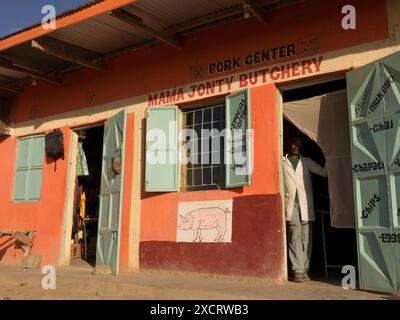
(205, 168)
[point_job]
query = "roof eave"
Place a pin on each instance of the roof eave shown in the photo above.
(64, 21)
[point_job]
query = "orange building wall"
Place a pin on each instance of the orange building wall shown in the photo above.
(45, 216)
(256, 247)
(159, 210)
(160, 67)
(127, 190)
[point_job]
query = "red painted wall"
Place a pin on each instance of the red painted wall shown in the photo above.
(256, 248)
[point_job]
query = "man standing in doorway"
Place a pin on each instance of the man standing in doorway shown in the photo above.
(299, 208)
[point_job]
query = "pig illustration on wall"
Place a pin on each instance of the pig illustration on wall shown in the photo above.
(209, 221)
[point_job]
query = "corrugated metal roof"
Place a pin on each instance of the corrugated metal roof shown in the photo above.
(105, 34)
(101, 34)
(162, 14)
(59, 16)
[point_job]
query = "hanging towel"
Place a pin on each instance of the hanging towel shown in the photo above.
(81, 164)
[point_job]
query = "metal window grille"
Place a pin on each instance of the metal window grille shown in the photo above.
(205, 169)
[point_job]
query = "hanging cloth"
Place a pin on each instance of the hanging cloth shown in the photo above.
(83, 205)
(324, 119)
(81, 163)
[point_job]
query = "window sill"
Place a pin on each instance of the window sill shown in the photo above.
(24, 201)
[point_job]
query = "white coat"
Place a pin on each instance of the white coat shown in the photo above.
(300, 180)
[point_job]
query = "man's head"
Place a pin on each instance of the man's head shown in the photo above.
(295, 145)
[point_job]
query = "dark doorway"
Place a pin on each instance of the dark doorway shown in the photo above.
(340, 247)
(87, 191)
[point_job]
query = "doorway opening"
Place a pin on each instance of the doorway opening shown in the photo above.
(332, 247)
(86, 192)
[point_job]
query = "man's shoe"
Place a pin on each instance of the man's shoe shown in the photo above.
(298, 277)
(305, 276)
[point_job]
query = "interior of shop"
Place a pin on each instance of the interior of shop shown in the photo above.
(333, 247)
(86, 196)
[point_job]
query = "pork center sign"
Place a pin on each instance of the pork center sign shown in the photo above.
(270, 74)
(253, 58)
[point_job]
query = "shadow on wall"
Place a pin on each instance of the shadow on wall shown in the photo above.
(255, 250)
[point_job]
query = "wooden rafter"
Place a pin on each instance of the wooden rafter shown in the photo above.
(62, 50)
(10, 88)
(7, 64)
(137, 22)
(255, 9)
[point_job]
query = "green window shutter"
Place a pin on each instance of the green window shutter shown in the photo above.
(238, 162)
(162, 149)
(29, 167)
(23, 154)
(36, 154)
(20, 181)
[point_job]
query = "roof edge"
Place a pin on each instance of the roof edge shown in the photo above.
(63, 20)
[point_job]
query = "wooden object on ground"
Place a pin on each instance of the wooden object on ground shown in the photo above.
(31, 262)
(75, 251)
(25, 239)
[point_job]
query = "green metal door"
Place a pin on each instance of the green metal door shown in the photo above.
(374, 108)
(111, 190)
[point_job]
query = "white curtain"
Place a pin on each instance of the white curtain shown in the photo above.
(325, 120)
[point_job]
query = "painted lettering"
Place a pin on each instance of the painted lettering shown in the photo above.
(295, 69)
(219, 83)
(370, 206)
(291, 50)
(192, 91)
(229, 82)
(152, 100)
(368, 166)
(386, 125)
(306, 66)
(381, 94)
(264, 75)
(225, 65)
(285, 71)
(390, 237)
(253, 77)
(317, 63)
(243, 80)
(275, 75)
(201, 89)
(210, 87)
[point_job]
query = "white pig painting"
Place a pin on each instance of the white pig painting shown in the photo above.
(205, 218)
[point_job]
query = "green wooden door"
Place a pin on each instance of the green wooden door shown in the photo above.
(374, 108)
(111, 190)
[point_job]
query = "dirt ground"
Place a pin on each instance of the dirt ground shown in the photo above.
(78, 282)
